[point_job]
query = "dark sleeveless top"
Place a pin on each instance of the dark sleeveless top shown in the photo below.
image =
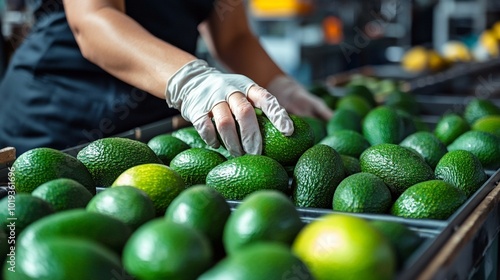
(51, 96)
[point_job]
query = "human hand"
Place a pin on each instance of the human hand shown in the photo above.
(201, 93)
(297, 100)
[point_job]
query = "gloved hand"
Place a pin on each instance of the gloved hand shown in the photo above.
(297, 100)
(201, 92)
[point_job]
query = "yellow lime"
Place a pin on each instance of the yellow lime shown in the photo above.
(158, 181)
(345, 247)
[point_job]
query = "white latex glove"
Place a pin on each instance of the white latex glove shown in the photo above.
(297, 100)
(201, 93)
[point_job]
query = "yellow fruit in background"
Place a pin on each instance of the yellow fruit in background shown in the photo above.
(345, 247)
(419, 59)
(436, 61)
(496, 30)
(456, 51)
(487, 46)
(415, 59)
(490, 42)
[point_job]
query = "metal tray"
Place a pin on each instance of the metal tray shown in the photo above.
(389, 71)
(436, 232)
(461, 76)
(438, 105)
(480, 79)
(472, 251)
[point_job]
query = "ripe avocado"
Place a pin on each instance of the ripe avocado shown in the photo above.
(285, 149)
(317, 174)
(433, 199)
(383, 125)
(107, 158)
(427, 145)
(484, 145)
(399, 167)
(461, 169)
(240, 176)
(40, 165)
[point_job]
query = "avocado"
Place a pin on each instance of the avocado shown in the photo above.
(347, 142)
(402, 100)
(238, 177)
(449, 127)
(383, 125)
(285, 149)
(479, 108)
(263, 216)
(362, 193)
(77, 224)
(351, 165)
(162, 249)
(63, 194)
(37, 166)
(461, 169)
(107, 158)
(489, 124)
(318, 126)
(266, 260)
(166, 147)
(66, 258)
(125, 203)
(399, 167)
(190, 136)
(203, 208)
(27, 210)
(484, 145)
(194, 164)
(357, 104)
(427, 145)
(363, 92)
(317, 174)
(343, 119)
(433, 199)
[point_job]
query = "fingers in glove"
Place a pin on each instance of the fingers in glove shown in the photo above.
(264, 100)
(226, 126)
(320, 109)
(244, 113)
(206, 129)
(307, 105)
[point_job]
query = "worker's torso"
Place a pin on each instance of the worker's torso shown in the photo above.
(52, 96)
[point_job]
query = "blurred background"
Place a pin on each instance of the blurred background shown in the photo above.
(314, 39)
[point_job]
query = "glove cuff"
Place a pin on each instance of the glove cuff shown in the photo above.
(173, 90)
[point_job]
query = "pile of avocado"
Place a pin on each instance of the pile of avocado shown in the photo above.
(159, 210)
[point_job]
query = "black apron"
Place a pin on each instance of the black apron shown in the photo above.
(51, 96)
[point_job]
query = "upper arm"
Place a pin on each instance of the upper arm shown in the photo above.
(227, 23)
(78, 10)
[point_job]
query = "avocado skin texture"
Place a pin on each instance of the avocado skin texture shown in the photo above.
(484, 145)
(285, 149)
(399, 167)
(238, 177)
(316, 176)
(383, 125)
(433, 199)
(461, 169)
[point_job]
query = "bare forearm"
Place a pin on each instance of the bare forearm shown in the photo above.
(119, 45)
(230, 39)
